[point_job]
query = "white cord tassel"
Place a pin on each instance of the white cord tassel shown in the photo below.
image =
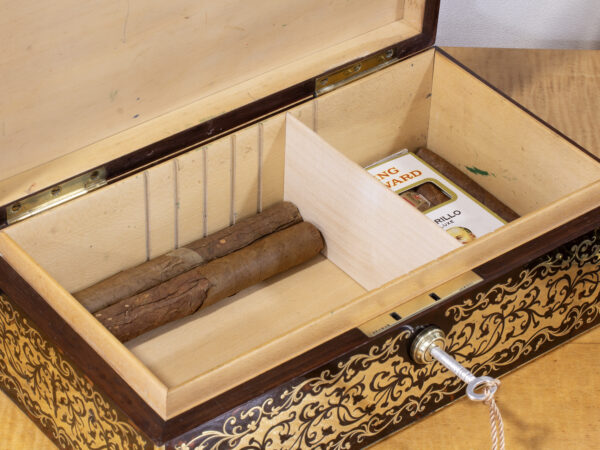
(489, 386)
(496, 423)
(429, 345)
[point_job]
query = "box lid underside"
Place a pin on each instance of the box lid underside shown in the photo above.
(86, 84)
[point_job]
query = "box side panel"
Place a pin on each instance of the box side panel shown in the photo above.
(65, 404)
(376, 389)
(85, 361)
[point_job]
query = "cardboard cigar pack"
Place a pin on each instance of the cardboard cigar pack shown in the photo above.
(459, 214)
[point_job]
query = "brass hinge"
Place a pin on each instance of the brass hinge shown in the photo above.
(354, 71)
(389, 319)
(55, 195)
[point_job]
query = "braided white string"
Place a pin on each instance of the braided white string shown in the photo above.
(496, 423)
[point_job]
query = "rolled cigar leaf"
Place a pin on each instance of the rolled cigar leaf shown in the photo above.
(468, 185)
(432, 193)
(162, 268)
(207, 284)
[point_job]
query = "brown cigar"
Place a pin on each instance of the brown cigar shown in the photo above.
(465, 183)
(162, 268)
(432, 193)
(209, 283)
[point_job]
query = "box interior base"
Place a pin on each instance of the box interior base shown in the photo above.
(424, 101)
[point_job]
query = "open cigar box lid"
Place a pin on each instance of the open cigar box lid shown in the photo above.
(92, 93)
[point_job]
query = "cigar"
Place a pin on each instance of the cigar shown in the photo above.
(207, 284)
(162, 268)
(468, 185)
(432, 193)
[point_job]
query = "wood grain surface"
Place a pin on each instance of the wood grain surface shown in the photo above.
(562, 87)
(552, 402)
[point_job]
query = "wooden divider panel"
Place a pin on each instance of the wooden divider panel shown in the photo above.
(369, 232)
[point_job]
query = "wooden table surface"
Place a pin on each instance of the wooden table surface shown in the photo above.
(553, 402)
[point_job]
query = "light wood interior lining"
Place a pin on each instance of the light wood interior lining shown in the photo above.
(197, 193)
(294, 297)
(520, 160)
(412, 12)
(75, 74)
(84, 241)
(205, 198)
(382, 114)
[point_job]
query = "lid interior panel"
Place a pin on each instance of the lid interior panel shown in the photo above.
(74, 74)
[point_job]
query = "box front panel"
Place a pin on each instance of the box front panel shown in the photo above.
(377, 389)
(65, 404)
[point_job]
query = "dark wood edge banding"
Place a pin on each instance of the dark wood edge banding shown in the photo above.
(430, 20)
(514, 102)
(541, 245)
(227, 123)
(60, 334)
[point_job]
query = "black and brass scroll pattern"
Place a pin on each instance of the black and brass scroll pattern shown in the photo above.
(539, 305)
(363, 397)
(358, 400)
(55, 395)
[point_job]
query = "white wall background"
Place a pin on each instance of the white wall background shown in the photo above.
(520, 23)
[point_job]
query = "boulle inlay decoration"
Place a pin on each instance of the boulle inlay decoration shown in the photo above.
(360, 398)
(54, 394)
(540, 304)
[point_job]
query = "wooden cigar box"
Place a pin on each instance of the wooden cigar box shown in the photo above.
(135, 128)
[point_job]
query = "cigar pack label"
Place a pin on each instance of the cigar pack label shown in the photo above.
(453, 209)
